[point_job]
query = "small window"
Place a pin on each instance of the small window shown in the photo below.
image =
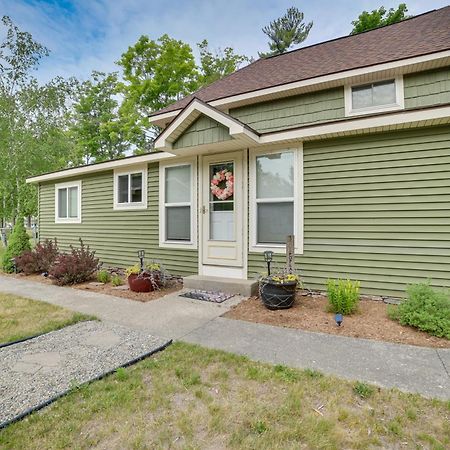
(375, 97)
(130, 189)
(68, 202)
(177, 215)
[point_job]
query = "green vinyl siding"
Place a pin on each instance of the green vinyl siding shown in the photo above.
(293, 111)
(427, 88)
(116, 236)
(203, 131)
(376, 209)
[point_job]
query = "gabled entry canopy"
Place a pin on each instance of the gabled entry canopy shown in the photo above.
(219, 131)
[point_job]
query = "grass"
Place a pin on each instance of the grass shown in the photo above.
(21, 317)
(193, 398)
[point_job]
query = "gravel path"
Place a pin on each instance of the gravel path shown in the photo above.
(35, 371)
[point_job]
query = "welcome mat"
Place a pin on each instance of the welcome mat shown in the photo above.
(207, 296)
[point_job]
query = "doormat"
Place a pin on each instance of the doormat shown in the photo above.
(207, 296)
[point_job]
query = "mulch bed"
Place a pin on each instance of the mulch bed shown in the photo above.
(310, 313)
(108, 289)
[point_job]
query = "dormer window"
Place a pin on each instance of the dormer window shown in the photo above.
(379, 96)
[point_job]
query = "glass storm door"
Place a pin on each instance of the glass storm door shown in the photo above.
(222, 210)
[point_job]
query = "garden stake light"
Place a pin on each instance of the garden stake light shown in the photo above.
(268, 256)
(141, 255)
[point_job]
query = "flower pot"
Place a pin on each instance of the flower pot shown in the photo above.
(277, 295)
(139, 283)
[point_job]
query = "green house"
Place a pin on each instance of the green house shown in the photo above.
(343, 144)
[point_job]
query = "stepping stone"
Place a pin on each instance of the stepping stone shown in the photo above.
(35, 371)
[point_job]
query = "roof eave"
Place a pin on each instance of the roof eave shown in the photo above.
(356, 75)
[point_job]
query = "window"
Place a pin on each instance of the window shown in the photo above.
(177, 215)
(379, 96)
(130, 188)
(276, 200)
(68, 202)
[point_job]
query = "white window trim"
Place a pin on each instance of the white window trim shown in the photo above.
(68, 185)
(298, 202)
(399, 95)
(142, 169)
(192, 244)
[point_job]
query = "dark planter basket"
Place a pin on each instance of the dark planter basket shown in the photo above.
(139, 284)
(276, 295)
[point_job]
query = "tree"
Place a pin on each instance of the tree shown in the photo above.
(32, 118)
(286, 31)
(214, 66)
(156, 73)
(98, 130)
(378, 18)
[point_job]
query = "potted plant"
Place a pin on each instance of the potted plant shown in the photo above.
(277, 291)
(137, 280)
(144, 280)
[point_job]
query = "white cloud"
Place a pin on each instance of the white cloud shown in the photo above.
(88, 35)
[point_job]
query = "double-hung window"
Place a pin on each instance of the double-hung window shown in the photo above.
(68, 202)
(177, 215)
(130, 188)
(379, 96)
(276, 199)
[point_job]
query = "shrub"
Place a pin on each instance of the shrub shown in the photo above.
(343, 296)
(38, 260)
(425, 308)
(116, 280)
(103, 276)
(75, 267)
(19, 242)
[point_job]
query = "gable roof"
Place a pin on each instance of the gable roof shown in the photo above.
(420, 35)
(191, 112)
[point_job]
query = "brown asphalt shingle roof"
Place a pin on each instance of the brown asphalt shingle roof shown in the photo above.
(420, 35)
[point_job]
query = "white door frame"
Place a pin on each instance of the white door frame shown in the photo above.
(203, 184)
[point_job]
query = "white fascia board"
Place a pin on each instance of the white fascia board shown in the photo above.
(360, 123)
(344, 76)
(196, 107)
(79, 171)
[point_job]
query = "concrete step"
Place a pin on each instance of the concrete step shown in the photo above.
(246, 288)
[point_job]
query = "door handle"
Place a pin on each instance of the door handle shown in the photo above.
(204, 210)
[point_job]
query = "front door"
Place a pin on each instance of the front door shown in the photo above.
(222, 211)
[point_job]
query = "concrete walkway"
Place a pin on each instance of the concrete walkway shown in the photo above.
(409, 368)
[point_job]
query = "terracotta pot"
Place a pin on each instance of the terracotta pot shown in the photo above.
(277, 295)
(139, 284)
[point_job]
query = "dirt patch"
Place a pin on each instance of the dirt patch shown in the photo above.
(108, 288)
(309, 313)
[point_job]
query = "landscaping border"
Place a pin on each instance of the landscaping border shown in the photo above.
(7, 344)
(68, 391)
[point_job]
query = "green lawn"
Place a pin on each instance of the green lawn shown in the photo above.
(193, 398)
(21, 317)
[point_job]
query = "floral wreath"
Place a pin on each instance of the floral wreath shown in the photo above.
(222, 184)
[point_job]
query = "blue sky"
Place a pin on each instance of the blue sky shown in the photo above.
(86, 35)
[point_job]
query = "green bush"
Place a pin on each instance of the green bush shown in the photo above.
(425, 308)
(103, 276)
(343, 296)
(19, 242)
(116, 280)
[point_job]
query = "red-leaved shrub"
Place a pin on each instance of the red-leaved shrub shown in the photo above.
(75, 267)
(38, 260)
